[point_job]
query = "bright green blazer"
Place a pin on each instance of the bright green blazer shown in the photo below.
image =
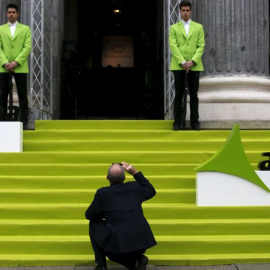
(16, 48)
(185, 48)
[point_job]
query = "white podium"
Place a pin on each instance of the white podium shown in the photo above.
(11, 137)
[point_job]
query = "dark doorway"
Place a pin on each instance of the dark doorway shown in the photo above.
(126, 82)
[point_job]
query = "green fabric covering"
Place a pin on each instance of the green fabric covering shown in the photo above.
(231, 159)
(46, 189)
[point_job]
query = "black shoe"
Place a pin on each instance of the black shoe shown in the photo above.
(99, 267)
(25, 126)
(177, 126)
(196, 126)
(141, 263)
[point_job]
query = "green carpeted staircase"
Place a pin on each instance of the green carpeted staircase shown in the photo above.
(46, 189)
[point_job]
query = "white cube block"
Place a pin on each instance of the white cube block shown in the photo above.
(11, 137)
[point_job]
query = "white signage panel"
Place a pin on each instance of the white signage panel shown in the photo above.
(220, 189)
(11, 137)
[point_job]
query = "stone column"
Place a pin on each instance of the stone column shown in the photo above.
(235, 86)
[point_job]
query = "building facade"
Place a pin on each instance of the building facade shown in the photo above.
(235, 86)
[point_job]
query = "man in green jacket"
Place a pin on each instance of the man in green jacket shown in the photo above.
(186, 39)
(15, 47)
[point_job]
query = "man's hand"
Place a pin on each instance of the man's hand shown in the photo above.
(129, 168)
(7, 66)
(11, 66)
(187, 65)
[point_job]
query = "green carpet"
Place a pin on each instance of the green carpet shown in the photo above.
(46, 189)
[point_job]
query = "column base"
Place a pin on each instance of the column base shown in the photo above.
(234, 99)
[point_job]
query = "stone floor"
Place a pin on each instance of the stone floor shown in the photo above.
(153, 267)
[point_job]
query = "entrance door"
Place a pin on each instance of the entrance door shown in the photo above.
(113, 66)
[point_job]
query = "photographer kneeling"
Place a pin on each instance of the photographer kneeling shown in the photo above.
(118, 228)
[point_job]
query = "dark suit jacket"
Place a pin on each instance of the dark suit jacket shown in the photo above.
(126, 229)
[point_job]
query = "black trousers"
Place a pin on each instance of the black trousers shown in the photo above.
(21, 83)
(179, 84)
(98, 233)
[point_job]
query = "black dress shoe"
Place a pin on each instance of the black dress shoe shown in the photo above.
(141, 263)
(25, 127)
(196, 126)
(177, 126)
(99, 267)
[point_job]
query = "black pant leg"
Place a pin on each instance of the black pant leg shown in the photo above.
(97, 233)
(179, 87)
(21, 83)
(4, 91)
(98, 236)
(193, 85)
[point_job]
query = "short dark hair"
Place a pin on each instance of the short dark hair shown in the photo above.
(185, 4)
(12, 5)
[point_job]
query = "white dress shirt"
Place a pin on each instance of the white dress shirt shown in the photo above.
(12, 28)
(186, 25)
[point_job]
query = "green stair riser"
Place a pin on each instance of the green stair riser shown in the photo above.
(89, 169)
(88, 182)
(247, 137)
(103, 158)
(153, 146)
(103, 125)
(120, 135)
(188, 146)
(168, 227)
(85, 196)
(182, 246)
(152, 211)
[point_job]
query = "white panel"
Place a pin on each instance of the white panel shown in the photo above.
(220, 189)
(11, 137)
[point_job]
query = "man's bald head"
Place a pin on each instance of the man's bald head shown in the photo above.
(116, 174)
